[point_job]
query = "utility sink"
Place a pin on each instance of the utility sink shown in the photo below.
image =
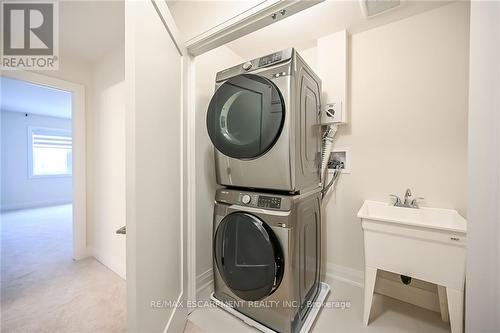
(435, 218)
(424, 243)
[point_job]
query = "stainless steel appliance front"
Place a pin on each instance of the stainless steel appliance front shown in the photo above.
(249, 238)
(264, 124)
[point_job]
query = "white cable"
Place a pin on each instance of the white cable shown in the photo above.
(333, 182)
(326, 148)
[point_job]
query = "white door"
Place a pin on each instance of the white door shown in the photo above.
(156, 256)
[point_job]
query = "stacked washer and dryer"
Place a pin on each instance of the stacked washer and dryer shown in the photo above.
(264, 122)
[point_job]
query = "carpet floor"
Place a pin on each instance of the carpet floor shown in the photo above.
(43, 289)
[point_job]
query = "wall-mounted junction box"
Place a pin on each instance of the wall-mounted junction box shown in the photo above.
(340, 156)
(333, 113)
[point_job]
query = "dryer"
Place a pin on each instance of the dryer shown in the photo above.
(267, 254)
(263, 121)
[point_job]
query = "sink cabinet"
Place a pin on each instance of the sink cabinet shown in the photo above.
(427, 244)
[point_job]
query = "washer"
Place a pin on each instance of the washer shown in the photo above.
(264, 123)
(267, 254)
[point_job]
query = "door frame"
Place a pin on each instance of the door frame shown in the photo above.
(80, 249)
(188, 186)
(187, 242)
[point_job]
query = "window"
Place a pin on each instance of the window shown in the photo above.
(50, 152)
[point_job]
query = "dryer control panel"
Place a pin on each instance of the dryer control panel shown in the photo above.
(269, 60)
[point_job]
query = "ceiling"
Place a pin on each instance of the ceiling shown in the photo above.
(303, 29)
(90, 29)
(300, 30)
(195, 17)
(25, 97)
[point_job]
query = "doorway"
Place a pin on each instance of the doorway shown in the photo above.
(43, 207)
(81, 286)
(37, 168)
(48, 281)
(43, 149)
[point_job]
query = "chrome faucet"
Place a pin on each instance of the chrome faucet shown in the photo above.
(407, 197)
(407, 201)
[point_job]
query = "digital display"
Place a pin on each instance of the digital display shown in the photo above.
(264, 61)
(269, 202)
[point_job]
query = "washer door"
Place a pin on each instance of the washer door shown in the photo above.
(245, 116)
(248, 256)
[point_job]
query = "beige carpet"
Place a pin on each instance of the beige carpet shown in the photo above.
(43, 289)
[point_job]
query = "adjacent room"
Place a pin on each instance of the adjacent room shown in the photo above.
(37, 184)
(36, 146)
(62, 181)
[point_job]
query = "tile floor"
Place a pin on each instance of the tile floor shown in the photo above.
(388, 315)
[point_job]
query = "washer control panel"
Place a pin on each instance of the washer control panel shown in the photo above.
(262, 201)
(269, 202)
(249, 199)
(246, 199)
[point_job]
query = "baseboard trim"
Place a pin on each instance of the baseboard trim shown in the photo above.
(345, 274)
(36, 204)
(110, 263)
(83, 254)
(204, 280)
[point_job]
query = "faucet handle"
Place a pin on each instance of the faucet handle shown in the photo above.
(397, 199)
(414, 202)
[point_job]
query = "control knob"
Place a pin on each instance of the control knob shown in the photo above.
(246, 199)
(247, 65)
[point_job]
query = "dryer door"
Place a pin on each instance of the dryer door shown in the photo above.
(248, 256)
(245, 116)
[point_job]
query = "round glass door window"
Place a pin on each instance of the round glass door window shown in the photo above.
(245, 116)
(248, 256)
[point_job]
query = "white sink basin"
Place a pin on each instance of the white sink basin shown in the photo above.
(435, 218)
(429, 244)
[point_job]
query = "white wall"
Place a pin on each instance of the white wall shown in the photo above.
(483, 238)
(106, 161)
(407, 122)
(105, 132)
(407, 89)
(19, 191)
(407, 128)
(72, 71)
(206, 66)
